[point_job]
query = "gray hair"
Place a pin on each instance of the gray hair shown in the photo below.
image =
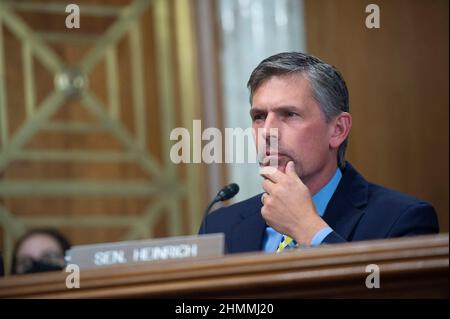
(328, 87)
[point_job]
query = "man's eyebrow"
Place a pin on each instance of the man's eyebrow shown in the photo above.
(255, 110)
(281, 108)
(284, 108)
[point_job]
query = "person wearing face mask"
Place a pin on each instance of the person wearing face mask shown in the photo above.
(39, 250)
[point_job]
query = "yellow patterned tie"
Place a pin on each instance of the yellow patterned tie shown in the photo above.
(286, 242)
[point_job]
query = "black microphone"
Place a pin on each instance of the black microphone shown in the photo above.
(225, 193)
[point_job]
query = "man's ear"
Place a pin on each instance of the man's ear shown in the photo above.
(340, 128)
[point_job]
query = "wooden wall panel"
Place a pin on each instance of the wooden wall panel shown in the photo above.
(93, 218)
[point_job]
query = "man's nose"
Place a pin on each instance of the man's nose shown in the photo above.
(271, 129)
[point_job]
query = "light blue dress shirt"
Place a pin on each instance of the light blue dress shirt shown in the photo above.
(272, 238)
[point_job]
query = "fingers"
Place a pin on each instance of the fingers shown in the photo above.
(263, 197)
(271, 174)
(274, 175)
(290, 170)
(268, 186)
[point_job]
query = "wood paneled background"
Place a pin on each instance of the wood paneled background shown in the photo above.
(144, 83)
(397, 77)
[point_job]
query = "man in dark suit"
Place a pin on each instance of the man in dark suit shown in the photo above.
(300, 116)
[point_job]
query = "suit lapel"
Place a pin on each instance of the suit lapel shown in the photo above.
(248, 234)
(345, 208)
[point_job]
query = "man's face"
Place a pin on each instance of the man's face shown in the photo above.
(286, 103)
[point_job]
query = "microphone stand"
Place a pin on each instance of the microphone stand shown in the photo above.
(205, 215)
(225, 193)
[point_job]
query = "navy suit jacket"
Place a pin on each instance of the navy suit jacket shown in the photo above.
(358, 210)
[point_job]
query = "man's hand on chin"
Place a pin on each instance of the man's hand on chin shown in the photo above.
(287, 205)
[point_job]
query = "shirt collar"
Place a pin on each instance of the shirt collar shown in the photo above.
(322, 197)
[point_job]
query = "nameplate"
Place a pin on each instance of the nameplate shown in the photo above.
(143, 251)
